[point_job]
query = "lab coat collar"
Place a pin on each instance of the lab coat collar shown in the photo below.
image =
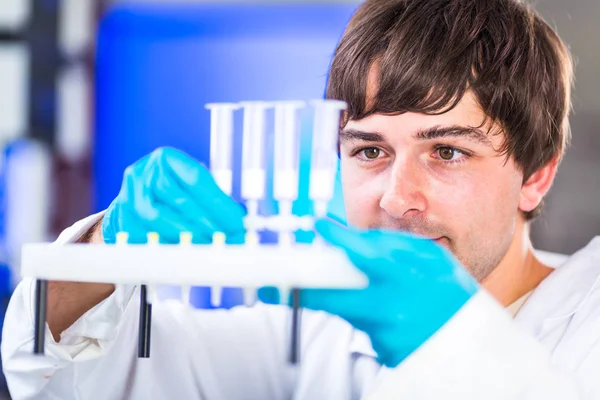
(563, 292)
(556, 299)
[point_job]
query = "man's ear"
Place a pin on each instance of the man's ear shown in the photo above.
(537, 185)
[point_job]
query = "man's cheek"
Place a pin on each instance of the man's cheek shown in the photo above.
(457, 195)
(358, 209)
(361, 205)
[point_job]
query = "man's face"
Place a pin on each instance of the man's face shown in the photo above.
(436, 176)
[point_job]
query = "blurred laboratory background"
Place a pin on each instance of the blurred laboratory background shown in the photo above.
(89, 86)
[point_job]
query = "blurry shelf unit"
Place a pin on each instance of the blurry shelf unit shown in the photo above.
(46, 96)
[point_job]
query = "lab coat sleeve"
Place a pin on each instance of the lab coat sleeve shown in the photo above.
(479, 354)
(213, 349)
(29, 375)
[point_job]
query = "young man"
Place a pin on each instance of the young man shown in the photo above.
(457, 120)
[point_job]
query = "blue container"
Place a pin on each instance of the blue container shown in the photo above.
(157, 65)
(5, 271)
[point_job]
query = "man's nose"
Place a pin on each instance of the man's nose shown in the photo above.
(404, 195)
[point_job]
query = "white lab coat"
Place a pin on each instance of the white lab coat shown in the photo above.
(550, 351)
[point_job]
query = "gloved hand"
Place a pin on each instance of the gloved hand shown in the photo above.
(415, 287)
(168, 192)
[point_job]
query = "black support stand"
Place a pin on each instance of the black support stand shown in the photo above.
(39, 339)
(295, 343)
(145, 324)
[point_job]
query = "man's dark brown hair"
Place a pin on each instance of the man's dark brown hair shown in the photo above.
(430, 52)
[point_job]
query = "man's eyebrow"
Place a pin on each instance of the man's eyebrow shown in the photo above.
(350, 134)
(438, 132)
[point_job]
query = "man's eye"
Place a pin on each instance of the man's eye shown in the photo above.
(371, 153)
(446, 153)
(450, 154)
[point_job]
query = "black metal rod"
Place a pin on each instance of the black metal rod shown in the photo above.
(39, 338)
(295, 343)
(145, 324)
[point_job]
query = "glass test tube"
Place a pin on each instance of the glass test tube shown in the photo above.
(253, 157)
(324, 152)
(253, 171)
(287, 154)
(221, 154)
(221, 143)
(287, 149)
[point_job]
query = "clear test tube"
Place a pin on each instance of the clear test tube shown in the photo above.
(221, 143)
(221, 155)
(253, 155)
(286, 155)
(253, 172)
(323, 167)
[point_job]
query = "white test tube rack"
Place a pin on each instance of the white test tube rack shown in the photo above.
(250, 265)
(299, 265)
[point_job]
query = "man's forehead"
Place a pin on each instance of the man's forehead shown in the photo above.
(471, 134)
(418, 127)
(372, 85)
(467, 114)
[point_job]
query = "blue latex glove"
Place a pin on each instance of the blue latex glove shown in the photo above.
(168, 192)
(415, 287)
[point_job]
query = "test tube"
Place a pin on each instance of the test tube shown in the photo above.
(287, 151)
(221, 151)
(253, 157)
(221, 143)
(253, 169)
(324, 152)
